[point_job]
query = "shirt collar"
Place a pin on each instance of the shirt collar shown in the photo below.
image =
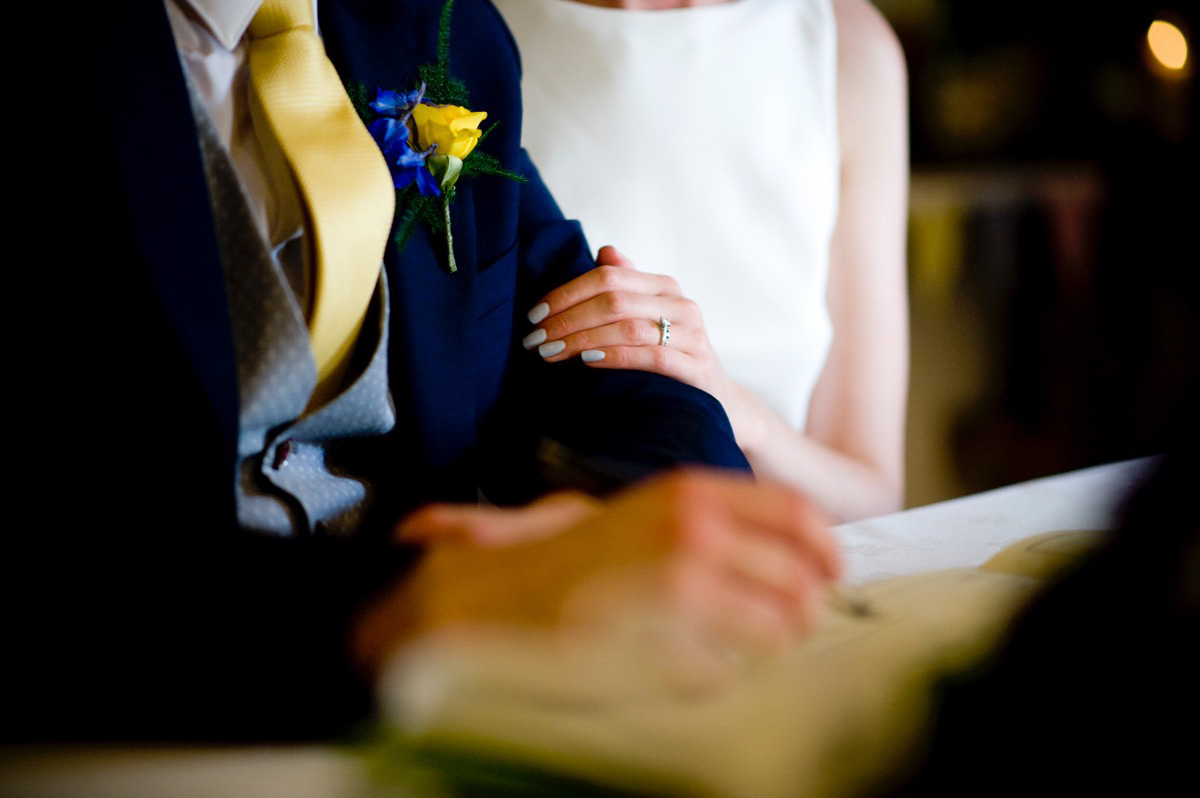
(226, 20)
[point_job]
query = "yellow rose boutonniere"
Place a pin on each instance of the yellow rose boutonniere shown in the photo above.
(428, 137)
(451, 128)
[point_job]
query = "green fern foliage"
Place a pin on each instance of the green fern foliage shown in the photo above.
(440, 86)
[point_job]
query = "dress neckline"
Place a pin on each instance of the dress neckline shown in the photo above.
(670, 23)
(587, 10)
(652, 10)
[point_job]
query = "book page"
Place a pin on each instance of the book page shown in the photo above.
(851, 701)
(1045, 555)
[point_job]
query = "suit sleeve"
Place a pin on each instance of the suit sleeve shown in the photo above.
(631, 424)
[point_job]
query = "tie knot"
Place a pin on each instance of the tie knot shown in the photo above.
(278, 16)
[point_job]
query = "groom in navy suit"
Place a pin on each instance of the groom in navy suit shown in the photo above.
(144, 607)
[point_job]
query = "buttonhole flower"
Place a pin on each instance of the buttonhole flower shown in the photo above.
(452, 129)
(429, 142)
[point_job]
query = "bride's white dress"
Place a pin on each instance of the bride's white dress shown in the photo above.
(702, 143)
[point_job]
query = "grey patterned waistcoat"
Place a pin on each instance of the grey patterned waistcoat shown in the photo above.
(286, 481)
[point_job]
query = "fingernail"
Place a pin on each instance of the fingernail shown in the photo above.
(533, 339)
(538, 313)
(551, 349)
(591, 355)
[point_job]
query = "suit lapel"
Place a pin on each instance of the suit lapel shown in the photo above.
(433, 312)
(151, 122)
(432, 315)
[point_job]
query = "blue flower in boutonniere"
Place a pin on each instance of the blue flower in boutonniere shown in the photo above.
(392, 134)
(429, 138)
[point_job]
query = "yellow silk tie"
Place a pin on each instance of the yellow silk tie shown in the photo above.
(307, 126)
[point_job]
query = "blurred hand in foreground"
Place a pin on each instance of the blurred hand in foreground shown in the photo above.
(696, 569)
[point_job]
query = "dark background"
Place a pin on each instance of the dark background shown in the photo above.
(1054, 265)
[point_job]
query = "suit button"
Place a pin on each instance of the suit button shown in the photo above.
(281, 455)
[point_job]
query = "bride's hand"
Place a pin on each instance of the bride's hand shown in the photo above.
(610, 318)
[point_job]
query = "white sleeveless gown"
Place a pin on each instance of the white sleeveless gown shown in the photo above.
(702, 143)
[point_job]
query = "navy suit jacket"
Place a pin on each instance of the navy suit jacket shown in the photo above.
(137, 607)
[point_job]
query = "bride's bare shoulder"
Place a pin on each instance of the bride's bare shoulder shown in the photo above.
(872, 72)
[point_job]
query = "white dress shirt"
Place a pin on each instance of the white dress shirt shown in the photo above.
(209, 35)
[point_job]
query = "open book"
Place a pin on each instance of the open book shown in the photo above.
(823, 720)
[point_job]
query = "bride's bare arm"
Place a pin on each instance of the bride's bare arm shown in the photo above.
(852, 456)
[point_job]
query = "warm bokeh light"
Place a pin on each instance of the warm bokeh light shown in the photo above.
(1168, 44)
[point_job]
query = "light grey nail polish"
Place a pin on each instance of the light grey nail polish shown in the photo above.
(551, 349)
(591, 355)
(538, 313)
(533, 339)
